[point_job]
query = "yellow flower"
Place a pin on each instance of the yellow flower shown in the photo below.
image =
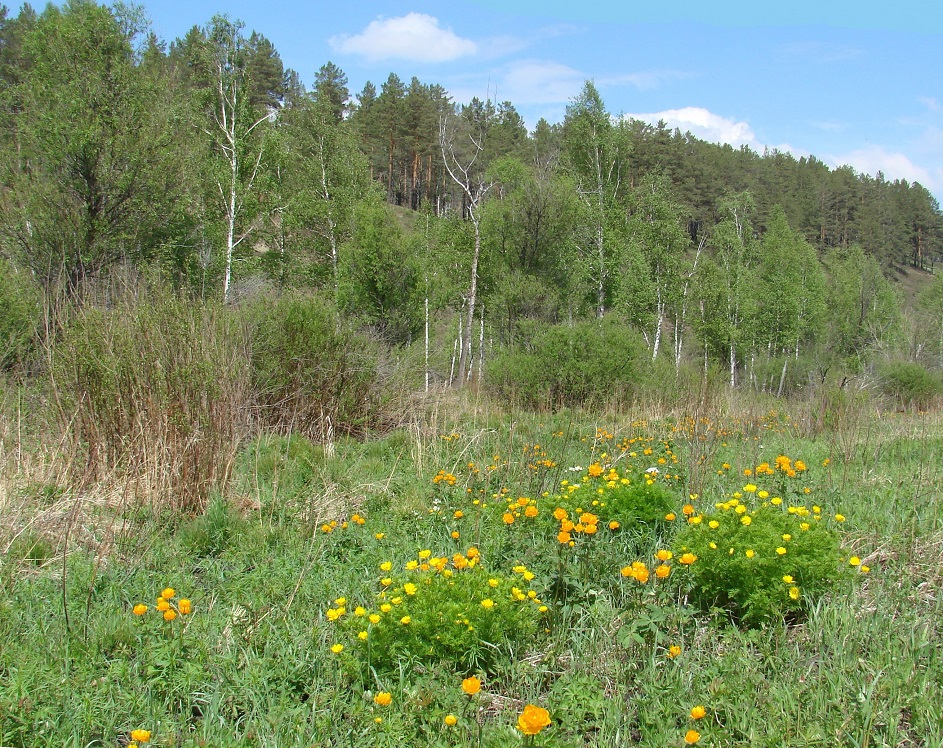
(713, 524)
(386, 607)
(170, 615)
(406, 620)
(687, 559)
(384, 698)
(487, 603)
(380, 535)
(781, 551)
(794, 593)
(425, 554)
(169, 593)
(698, 712)
(337, 648)
(839, 517)
(185, 607)
(691, 737)
(664, 555)
(363, 636)
(533, 719)
(141, 736)
(750, 553)
(673, 651)
(775, 501)
(374, 618)
(409, 588)
(471, 685)
(451, 720)
(386, 566)
(787, 578)
(614, 525)
(670, 516)
(749, 488)
(854, 561)
(745, 520)
(140, 609)
(662, 571)
(162, 605)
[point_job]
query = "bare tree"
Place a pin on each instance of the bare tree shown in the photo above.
(466, 171)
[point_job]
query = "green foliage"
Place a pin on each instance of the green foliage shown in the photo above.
(909, 383)
(312, 373)
(760, 563)
(380, 275)
(211, 533)
(19, 317)
(586, 362)
(460, 615)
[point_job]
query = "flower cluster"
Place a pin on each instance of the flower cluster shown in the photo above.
(168, 605)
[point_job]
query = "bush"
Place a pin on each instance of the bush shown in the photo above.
(311, 372)
(594, 362)
(910, 384)
(156, 389)
(445, 610)
(760, 564)
(19, 317)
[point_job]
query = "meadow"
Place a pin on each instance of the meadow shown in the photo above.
(731, 576)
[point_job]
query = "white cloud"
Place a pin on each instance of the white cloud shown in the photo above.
(416, 37)
(524, 83)
(893, 165)
(930, 103)
(705, 125)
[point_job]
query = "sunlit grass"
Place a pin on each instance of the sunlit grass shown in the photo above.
(344, 594)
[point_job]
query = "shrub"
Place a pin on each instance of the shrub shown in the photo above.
(443, 611)
(158, 389)
(311, 372)
(762, 563)
(598, 361)
(910, 384)
(19, 316)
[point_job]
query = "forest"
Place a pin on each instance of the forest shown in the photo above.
(206, 167)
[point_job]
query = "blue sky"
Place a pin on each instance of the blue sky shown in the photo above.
(847, 84)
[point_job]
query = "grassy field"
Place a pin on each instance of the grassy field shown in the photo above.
(444, 584)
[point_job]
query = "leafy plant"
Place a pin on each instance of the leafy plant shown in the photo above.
(761, 562)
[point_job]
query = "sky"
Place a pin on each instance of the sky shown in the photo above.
(847, 84)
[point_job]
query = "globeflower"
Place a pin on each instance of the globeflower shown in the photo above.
(698, 712)
(141, 736)
(384, 698)
(471, 685)
(140, 609)
(691, 737)
(533, 719)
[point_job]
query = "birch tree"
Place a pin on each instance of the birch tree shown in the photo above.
(462, 149)
(594, 151)
(237, 129)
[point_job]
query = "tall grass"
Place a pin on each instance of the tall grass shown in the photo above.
(157, 391)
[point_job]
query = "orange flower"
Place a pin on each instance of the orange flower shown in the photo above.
(533, 719)
(687, 510)
(141, 736)
(698, 712)
(471, 685)
(560, 513)
(384, 698)
(662, 571)
(691, 737)
(595, 470)
(140, 609)
(530, 511)
(508, 518)
(185, 607)
(563, 537)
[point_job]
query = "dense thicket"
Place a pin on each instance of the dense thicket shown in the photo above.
(206, 163)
